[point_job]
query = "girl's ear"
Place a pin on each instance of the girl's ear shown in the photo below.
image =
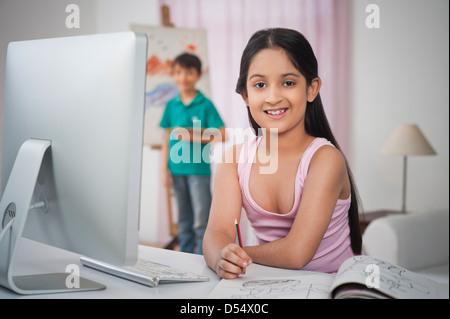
(245, 97)
(313, 89)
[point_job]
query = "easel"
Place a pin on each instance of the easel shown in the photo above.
(165, 16)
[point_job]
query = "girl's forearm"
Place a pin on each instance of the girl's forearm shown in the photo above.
(280, 253)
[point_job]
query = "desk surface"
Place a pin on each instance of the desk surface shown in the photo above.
(34, 257)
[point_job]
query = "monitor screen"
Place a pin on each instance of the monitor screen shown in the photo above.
(85, 95)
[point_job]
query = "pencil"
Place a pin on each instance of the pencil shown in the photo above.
(238, 232)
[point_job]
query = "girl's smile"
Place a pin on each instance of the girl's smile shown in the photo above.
(276, 114)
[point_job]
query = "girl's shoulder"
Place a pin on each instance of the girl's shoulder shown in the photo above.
(327, 154)
(322, 147)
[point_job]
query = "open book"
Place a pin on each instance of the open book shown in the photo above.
(358, 277)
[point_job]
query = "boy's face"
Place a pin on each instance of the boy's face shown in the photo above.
(185, 78)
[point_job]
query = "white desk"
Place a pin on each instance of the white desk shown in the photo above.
(34, 257)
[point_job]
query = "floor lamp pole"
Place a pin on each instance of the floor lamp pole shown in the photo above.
(404, 184)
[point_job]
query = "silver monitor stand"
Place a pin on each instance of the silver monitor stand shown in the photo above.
(16, 204)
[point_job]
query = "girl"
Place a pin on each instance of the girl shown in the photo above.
(305, 214)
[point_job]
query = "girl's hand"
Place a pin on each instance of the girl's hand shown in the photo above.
(233, 261)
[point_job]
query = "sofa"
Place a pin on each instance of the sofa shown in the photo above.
(416, 241)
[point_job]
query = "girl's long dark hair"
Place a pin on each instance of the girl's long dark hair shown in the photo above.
(302, 57)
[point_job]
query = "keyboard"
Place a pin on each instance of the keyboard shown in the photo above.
(145, 272)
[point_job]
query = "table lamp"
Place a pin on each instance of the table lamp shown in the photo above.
(406, 140)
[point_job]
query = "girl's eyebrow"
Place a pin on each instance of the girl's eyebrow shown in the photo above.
(256, 76)
(290, 74)
(283, 75)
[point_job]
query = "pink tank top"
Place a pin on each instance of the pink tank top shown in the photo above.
(335, 245)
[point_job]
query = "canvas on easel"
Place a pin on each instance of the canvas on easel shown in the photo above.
(164, 44)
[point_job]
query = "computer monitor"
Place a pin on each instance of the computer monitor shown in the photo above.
(72, 149)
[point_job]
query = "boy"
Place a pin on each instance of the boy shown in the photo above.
(185, 151)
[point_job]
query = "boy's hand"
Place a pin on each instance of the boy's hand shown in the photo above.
(166, 178)
(182, 134)
(233, 261)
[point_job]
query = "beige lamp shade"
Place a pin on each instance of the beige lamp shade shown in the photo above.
(406, 140)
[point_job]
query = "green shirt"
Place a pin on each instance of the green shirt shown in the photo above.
(188, 158)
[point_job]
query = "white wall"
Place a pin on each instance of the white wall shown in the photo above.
(400, 75)
(117, 15)
(25, 20)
